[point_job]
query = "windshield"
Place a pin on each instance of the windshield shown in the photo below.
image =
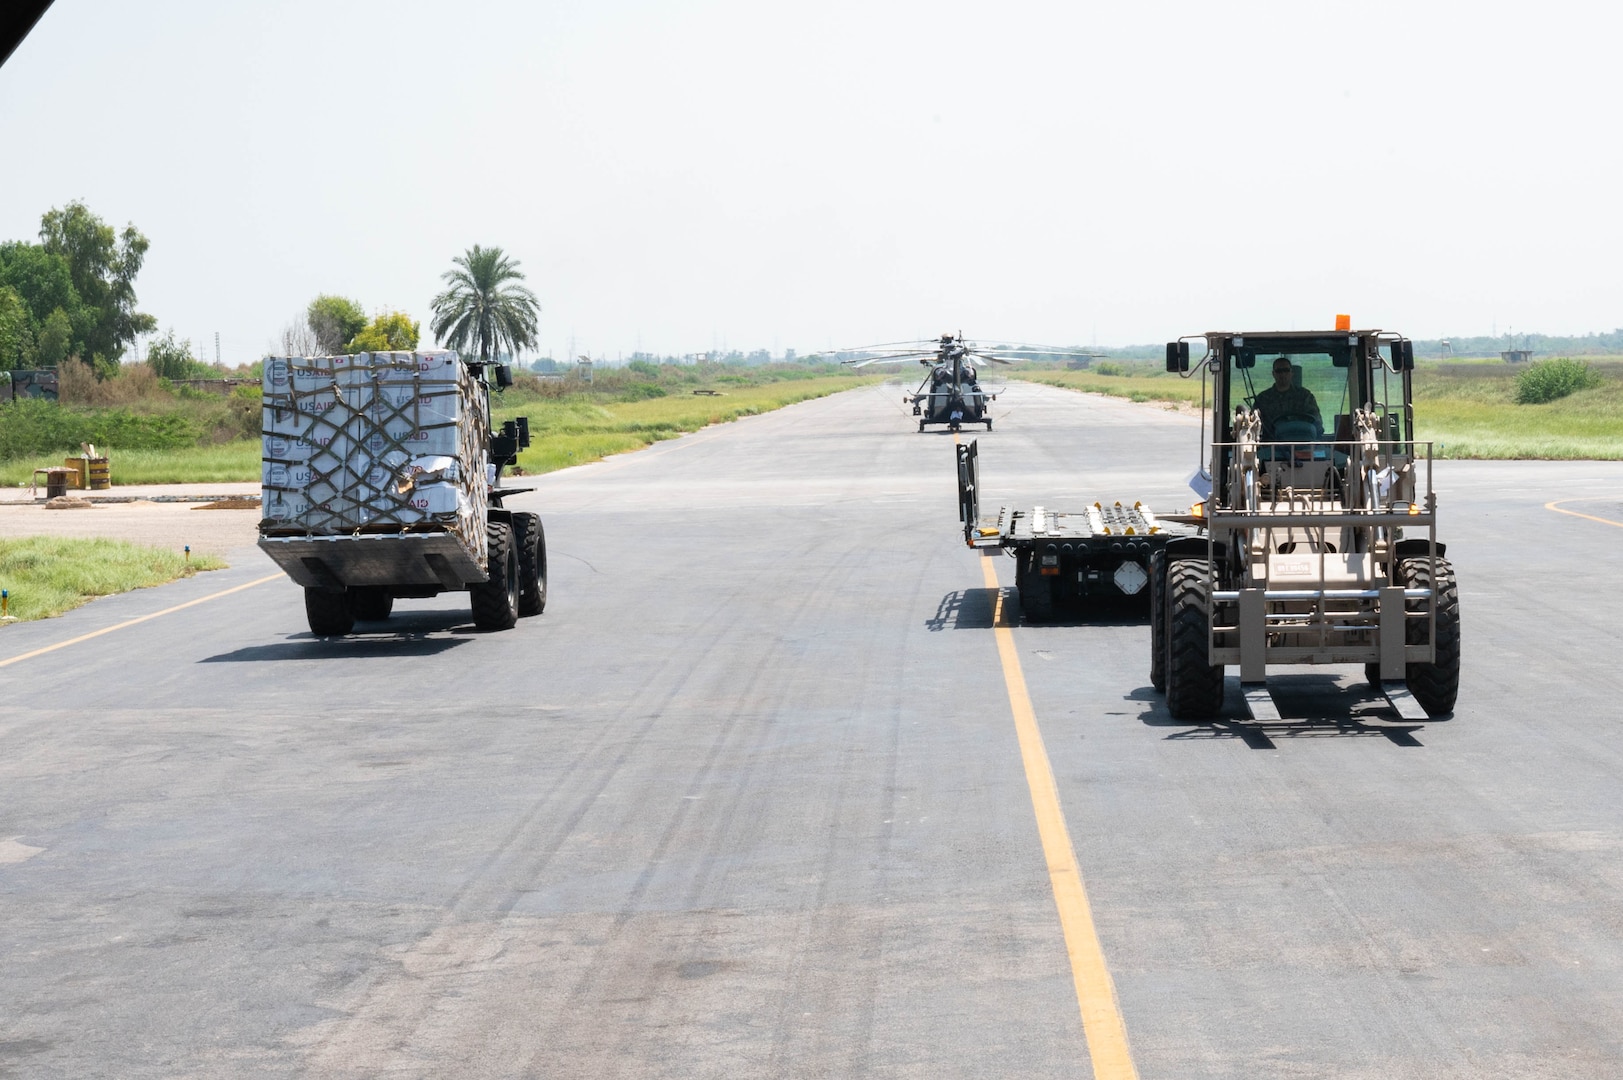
(1300, 395)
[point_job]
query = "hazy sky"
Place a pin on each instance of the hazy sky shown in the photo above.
(693, 174)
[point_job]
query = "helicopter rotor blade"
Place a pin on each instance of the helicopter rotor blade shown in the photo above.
(864, 362)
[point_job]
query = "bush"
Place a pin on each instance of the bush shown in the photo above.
(131, 384)
(642, 391)
(1548, 380)
(34, 426)
(1110, 367)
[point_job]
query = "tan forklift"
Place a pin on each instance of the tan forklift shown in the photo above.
(1319, 528)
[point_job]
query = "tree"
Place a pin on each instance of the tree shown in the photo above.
(55, 339)
(102, 265)
(16, 336)
(171, 359)
(387, 332)
(334, 320)
(485, 307)
(44, 284)
(298, 339)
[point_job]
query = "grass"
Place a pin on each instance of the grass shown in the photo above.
(1140, 386)
(570, 429)
(574, 431)
(1475, 415)
(47, 575)
(221, 463)
(1466, 409)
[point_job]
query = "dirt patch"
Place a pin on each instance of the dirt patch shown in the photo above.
(163, 525)
(230, 504)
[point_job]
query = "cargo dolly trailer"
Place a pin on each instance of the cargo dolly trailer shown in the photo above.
(1065, 557)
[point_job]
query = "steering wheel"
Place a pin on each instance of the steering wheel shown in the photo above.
(1314, 429)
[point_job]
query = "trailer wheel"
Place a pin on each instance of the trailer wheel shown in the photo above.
(495, 602)
(1194, 683)
(532, 564)
(328, 611)
(1158, 620)
(1435, 685)
(370, 603)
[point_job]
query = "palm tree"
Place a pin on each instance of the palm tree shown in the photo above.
(485, 307)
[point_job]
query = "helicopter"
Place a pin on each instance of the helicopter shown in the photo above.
(951, 392)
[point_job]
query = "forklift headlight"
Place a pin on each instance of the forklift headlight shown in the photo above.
(1130, 578)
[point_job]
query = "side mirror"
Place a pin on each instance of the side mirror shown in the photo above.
(1178, 356)
(1403, 355)
(504, 376)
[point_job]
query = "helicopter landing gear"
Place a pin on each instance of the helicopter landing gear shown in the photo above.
(988, 423)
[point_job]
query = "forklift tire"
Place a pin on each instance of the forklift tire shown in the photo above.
(989, 425)
(1436, 685)
(370, 603)
(328, 611)
(1194, 683)
(495, 602)
(921, 427)
(532, 564)
(1158, 620)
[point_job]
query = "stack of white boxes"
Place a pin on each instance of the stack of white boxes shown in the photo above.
(374, 442)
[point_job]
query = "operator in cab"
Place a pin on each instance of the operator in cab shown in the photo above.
(1285, 400)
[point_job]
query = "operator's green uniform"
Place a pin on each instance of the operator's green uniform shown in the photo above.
(1274, 403)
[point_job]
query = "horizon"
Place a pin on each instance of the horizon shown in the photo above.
(716, 176)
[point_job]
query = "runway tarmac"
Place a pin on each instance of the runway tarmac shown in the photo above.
(756, 797)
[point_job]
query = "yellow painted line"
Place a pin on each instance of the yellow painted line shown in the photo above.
(1556, 506)
(133, 622)
(1102, 1023)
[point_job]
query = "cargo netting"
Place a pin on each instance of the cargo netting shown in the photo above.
(375, 442)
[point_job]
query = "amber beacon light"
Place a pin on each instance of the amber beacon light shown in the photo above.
(1343, 322)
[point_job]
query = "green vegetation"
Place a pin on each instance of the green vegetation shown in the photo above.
(1466, 409)
(157, 434)
(389, 331)
(1134, 380)
(1549, 380)
(1470, 411)
(333, 320)
(47, 575)
(71, 294)
(572, 429)
(485, 309)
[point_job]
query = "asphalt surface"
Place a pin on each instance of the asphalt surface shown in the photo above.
(747, 799)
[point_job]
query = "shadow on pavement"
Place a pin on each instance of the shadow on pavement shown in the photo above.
(1328, 710)
(425, 634)
(967, 609)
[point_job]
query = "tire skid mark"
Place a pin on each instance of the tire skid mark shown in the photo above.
(533, 842)
(630, 973)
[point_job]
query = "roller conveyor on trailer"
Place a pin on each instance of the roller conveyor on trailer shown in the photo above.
(1065, 557)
